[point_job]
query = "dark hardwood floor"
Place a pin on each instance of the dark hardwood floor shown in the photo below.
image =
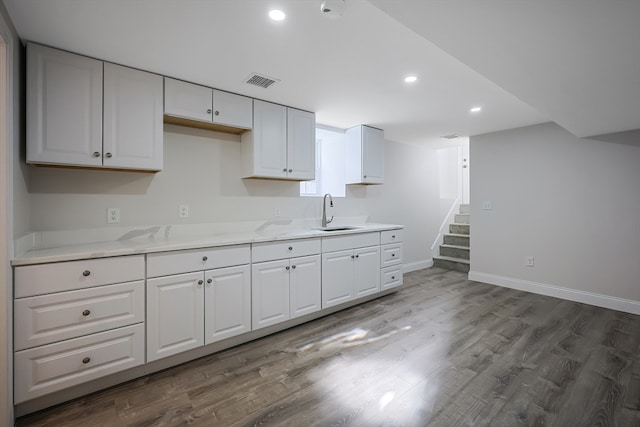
(442, 351)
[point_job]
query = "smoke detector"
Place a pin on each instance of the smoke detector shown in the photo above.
(332, 8)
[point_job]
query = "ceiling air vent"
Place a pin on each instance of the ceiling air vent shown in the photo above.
(260, 80)
(451, 136)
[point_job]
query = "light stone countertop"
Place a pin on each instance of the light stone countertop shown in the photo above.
(46, 247)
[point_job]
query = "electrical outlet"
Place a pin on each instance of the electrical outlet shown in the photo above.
(183, 211)
(276, 212)
(113, 215)
(487, 205)
(529, 261)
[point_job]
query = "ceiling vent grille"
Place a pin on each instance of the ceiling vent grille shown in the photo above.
(260, 80)
(451, 136)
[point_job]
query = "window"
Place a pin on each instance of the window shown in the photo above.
(330, 164)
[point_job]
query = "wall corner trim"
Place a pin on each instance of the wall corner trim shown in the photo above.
(599, 300)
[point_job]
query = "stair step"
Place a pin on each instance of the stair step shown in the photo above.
(451, 263)
(456, 239)
(459, 228)
(465, 209)
(462, 218)
(454, 251)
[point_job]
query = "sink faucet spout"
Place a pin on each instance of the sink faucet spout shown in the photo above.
(324, 210)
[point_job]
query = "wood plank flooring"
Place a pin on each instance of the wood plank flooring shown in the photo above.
(442, 351)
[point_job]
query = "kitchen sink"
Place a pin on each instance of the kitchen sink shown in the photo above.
(337, 228)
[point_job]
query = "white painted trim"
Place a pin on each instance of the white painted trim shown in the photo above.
(417, 265)
(599, 300)
(435, 247)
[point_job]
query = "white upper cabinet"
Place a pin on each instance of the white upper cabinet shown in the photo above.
(281, 145)
(193, 102)
(133, 129)
(66, 122)
(365, 155)
(64, 108)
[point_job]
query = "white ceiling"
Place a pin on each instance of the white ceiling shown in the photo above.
(350, 70)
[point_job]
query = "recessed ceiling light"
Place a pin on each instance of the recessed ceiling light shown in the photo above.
(410, 79)
(277, 15)
(475, 109)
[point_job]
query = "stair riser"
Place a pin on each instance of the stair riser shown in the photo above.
(462, 218)
(465, 209)
(456, 240)
(451, 265)
(459, 228)
(454, 252)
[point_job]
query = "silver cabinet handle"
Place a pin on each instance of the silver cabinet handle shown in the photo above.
(86, 313)
(108, 155)
(96, 154)
(86, 360)
(208, 110)
(86, 273)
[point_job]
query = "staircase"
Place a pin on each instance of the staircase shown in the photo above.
(454, 252)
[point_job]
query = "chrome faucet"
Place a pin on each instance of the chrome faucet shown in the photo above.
(324, 210)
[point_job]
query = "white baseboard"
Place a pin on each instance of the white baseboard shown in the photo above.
(418, 265)
(599, 300)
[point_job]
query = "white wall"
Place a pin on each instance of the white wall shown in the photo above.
(572, 203)
(202, 169)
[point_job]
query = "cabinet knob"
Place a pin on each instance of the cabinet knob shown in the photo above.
(293, 267)
(284, 170)
(96, 154)
(208, 110)
(86, 273)
(290, 248)
(352, 256)
(393, 277)
(287, 268)
(365, 176)
(290, 170)
(108, 155)
(393, 236)
(393, 254)
(357, 256)
(217, 113)
(209, 280)
(204, 259)
(200, 282)
(86, 312)
(86, 360)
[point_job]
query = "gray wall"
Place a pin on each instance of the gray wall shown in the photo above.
(572, 203)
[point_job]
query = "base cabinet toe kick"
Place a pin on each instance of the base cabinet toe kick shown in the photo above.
(77, 322)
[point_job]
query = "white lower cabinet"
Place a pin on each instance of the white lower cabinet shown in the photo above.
(284, 289)
(350, 274)
(175, 314)
(227, 303)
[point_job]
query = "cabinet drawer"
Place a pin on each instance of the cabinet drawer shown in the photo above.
(67, 276)
(340, 243)
(49, 318)
(286, 249)
(53, 367)
(177, 262)
(391, 236)
(391, 277)
(391, 255)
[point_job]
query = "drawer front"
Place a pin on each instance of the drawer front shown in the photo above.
(177, 262)
(68, 276)
(391, 236)
(49, 318)
(391, 277)
(53, 367)
(285, 249)
(391, 255)
(352, 241)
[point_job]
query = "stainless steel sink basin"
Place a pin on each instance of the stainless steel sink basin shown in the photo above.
(337, 228)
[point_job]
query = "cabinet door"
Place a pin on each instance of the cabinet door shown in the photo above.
(304, 286)
(337, 278)
(301, 144)
(182, 99)
(372, 155)
(64, 108)
(133, 129)
(175, 314)
(367, 271)
(270, 293)
(227, 305)
(233, 110)
(269, 140)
